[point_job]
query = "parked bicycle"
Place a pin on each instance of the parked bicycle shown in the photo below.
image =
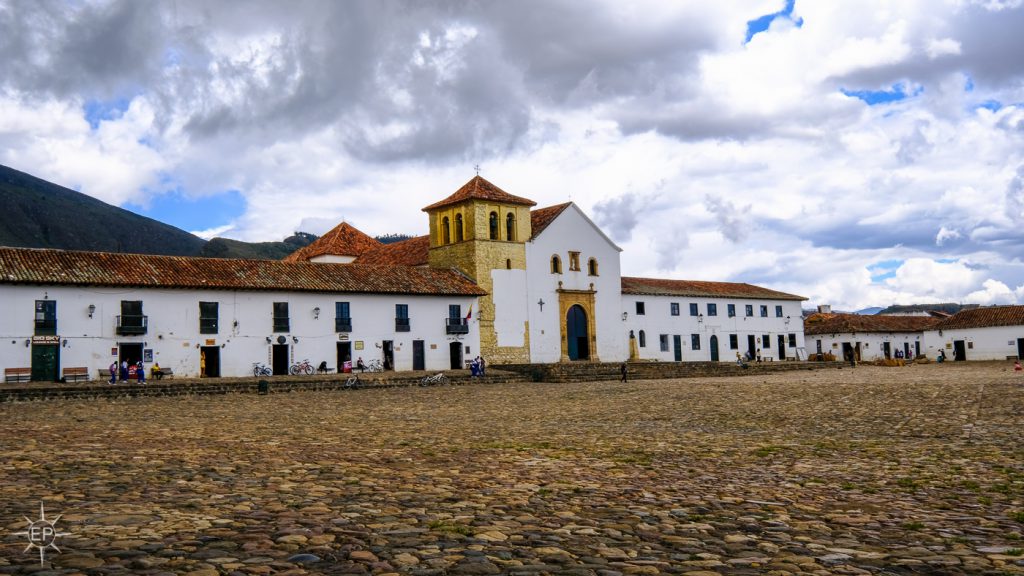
(261, 369)
(352, 383)
(375, 366)
(439, 379)
(303, 367)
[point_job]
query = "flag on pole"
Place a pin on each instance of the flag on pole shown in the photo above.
(470, 313)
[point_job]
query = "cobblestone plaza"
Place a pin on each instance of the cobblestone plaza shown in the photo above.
(906, 470)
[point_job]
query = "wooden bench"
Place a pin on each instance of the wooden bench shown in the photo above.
(17, 375)
(163, 373)
(74, 374)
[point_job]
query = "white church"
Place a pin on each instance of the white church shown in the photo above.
(495, 277)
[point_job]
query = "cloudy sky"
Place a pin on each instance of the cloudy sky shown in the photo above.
(860, 153)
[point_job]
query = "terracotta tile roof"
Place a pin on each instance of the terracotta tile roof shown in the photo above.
(984, 318)
(342, 240)
(659, 287)
(411, 252)
(849, 323)
(63, 267)
(480, 189)
(541, 217)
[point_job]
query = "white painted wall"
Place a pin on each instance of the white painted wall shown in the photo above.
(658, 320)
(872, 345)
(573, 231)
(510, 306)
(245, 322)
(996, 343)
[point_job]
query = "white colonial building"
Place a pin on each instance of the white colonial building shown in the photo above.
(494, 277)
(216, 317)
(993, 333)
(867, 337)
(686, 321)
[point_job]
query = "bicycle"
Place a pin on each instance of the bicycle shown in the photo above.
(261, 369)
(303, 367)
(352, 383)
(439, 379)
(374, 366)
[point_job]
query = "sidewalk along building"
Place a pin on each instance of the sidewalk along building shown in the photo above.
(867, 337)
(495, 276)
(992, 333)
(217, 317)
(687, 320)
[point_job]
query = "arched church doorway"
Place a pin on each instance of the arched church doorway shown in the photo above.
(577, 334)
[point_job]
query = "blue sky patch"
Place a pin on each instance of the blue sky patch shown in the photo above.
(992, 105)
(192, 214)
(883, 270)
(97, 111)
(872, 97)
(762, 23)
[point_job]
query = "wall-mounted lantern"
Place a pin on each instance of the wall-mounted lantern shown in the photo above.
(624, 316)
(316, 313)
(92, 310)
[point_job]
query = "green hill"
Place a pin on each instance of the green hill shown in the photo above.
(40, 214)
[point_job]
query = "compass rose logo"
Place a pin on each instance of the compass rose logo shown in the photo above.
(42, 534)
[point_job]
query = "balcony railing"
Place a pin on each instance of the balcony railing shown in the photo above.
(456, 326)
(342, 324)
(132, 324)
(401, 324)
(281, 325)
(208, 325)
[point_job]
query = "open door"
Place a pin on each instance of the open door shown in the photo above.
(210, 361)
(280, 360)
(781, 339)
(389, 355)
(344, 355)
(455, 353)
(713, 344)
(959, 350)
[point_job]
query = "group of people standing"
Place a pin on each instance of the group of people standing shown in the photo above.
(476, 367)
(121, 372)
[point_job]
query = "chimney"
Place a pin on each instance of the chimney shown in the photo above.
(824, 308)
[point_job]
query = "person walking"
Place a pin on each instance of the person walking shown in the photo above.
(624, 370)
(140, 372)
(124, 371)
(113, 372)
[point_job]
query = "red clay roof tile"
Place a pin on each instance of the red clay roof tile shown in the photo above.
(343, 240)
(849, 323)
(479, 189)
(411, 252)
(660, 287)
(984, 318)
(63, 267)
(542, 217)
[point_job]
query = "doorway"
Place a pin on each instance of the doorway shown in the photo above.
(886, 350)
(577, 334)
(389, 355)
(209, 361)
(1020, 348)
(130, 353)
(418, 355)
(713, 344)
(455, 353)
(45, 362)
(280, 359)
(344, 355)
(677, 347)
(782, 346)
(751, 346)
(906, 350)
(959, 351)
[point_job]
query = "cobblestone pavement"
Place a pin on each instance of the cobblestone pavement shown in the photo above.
(855, 471)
